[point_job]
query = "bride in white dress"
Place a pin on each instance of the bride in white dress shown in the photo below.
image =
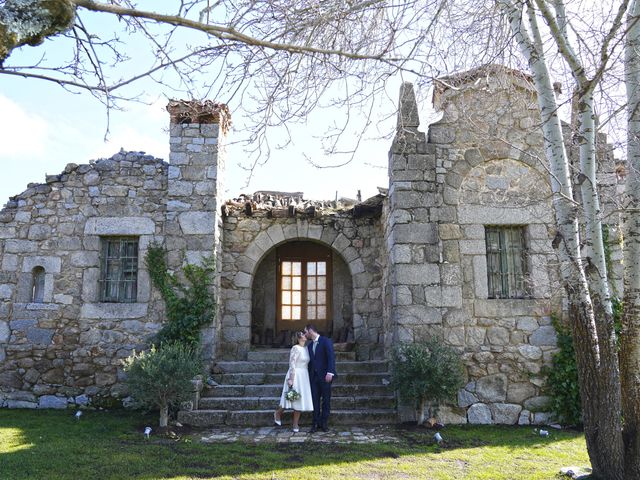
(297, 378)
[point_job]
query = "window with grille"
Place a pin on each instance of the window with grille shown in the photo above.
(506, 262)
(119, 269)
(304, 293)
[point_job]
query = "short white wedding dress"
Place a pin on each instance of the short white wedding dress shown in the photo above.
(298, 361)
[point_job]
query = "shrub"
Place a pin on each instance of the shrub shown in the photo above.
(188, 307)
(426, 373)
(161, 377)
(562, 379)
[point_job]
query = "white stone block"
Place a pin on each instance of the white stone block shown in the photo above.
(263, 240)
(451, 297)
(401, 295)
(315, 231)
(415, 233)
(483, 214)
(63, 299)
(5, 332)
(10, 263)
(6, 291)
(275, 234)
(197, 223)
(290, 231)
(479, 414)
(119, 226)
(20, 246)
(341, 243)
(84, 259)
(356, 266)
(113, 310)
(473, 247)
(173, 172)
(401, 253)
(242, 280)
(50, 264)
(530, 352)
(303, 228)
(420, 274)
(180, 189)
(90, 278)
(474, 232)
(196, 257)
(254, 252)
(480, 281)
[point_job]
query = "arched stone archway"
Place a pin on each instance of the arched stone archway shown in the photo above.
(242, 260)
(269, 329)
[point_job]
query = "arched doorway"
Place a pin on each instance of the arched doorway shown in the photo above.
(297, 283)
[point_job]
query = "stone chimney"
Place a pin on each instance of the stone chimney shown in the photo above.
(413, 275)
(195, 187)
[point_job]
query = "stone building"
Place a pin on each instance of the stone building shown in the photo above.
(458, 246)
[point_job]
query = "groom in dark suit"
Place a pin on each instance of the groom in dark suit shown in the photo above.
(322, 369)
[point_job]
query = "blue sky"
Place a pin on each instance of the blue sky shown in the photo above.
(43, 127)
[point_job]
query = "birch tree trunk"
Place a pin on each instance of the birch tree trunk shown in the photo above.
(420, 413)
(630, 338)
(164, 415)
(599, 382)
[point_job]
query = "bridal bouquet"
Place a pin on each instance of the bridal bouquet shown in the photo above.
(292, 395)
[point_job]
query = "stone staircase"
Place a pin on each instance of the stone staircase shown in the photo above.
(249, 391)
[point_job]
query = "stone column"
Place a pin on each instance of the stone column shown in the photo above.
(413, 276)
(195, 185)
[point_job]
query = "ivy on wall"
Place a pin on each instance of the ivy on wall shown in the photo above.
(190, 306)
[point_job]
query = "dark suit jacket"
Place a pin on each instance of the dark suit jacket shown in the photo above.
(324, 360)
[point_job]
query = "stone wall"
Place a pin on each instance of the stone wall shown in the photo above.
(480, 165)
(195, 181)
(69, 347)
(248, 242)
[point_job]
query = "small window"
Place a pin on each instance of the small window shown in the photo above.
(119, 270)
(37, 285)
(506, 262)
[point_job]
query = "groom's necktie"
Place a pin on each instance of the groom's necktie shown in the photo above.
(315, 344)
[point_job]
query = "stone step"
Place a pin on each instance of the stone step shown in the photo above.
(275, 389)
(271, 378)
(375, 366)
(262, 403)
(282, 355)
(207, 418)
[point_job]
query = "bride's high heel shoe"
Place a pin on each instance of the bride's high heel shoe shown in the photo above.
(296, 429)
(276, 421)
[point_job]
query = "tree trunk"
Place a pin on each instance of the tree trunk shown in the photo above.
(164, 416)
(597, 376)
(420, 415)
(605, 393)
(630, 338)
(602, 424)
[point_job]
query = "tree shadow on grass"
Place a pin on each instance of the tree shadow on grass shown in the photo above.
(44, 444)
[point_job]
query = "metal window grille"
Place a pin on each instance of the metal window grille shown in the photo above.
(119, 270)
(506, 262)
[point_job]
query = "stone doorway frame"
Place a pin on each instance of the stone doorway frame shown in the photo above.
(234, 339)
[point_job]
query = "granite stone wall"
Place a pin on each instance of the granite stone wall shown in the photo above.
(69, 347)
(480, 165)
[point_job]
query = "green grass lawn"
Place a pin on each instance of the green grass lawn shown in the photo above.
(37, 444)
